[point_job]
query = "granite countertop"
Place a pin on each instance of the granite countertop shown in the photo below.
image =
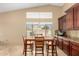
(70, 39)
(75, 39)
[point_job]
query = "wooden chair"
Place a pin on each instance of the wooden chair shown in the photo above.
(39, 44)
(55, 47)
(52, 44)
(48, 45)
(24, 46)
(25, 42)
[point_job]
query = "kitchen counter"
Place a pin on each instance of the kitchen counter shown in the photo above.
(69, 39)
(69, 45)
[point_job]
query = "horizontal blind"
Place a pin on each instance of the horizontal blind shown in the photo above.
(41, 15)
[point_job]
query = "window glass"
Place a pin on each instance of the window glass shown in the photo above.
(39, 23)
(42, 28)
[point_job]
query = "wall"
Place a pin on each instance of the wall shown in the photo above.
(67, 6)
(12, 24)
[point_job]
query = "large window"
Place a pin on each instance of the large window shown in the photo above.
(39, 23)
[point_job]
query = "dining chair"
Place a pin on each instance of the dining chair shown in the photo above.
(55, 47)
(27, 43)
(51, 47)
(39, 45)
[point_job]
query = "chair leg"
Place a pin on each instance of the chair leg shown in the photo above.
(24, 53)
(47, 50)
(35, 51)
(43, 51)
(55, 48)
(56, 51)
(52, 52)
(32, 49)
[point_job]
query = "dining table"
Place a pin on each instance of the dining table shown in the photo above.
(32, 39)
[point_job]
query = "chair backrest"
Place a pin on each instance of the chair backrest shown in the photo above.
(39, 41)
(23, 39)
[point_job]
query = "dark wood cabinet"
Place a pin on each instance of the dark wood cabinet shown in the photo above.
(68, 46)
(72, 18)
(76, 17)
(62, 22)
(74, 49)
(69, 19)
(66, 22)
(70, 22)
(60, 43)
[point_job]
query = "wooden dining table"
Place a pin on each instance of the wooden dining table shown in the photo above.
(32, 39)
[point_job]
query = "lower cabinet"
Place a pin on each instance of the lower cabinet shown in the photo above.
(71, 48)
(74, 49)
(66, 47)
(60, 43)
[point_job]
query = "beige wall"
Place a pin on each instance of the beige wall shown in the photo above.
(67, 6)
(12, 24)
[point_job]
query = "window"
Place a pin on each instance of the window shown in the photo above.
(39, 15)
(39, 23)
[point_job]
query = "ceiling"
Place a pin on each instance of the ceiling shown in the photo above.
(4, 7)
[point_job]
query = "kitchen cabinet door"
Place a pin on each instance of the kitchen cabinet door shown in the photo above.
(76, 17)
(62, 22)
(74, 49)
(69, 20)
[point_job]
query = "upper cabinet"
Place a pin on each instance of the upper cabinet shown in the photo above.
(62, 22)
(72, 18)
(76, 17)
(69, 19)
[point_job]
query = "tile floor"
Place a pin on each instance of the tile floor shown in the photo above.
(12, 50)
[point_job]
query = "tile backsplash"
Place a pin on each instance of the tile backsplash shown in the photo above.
(73, 33)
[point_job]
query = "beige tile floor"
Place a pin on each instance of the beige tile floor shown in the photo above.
(12, 50)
